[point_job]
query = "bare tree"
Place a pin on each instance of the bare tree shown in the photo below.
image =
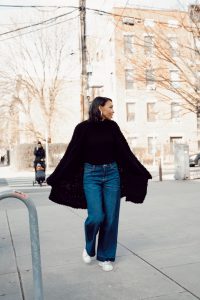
(178, 54)
(31, 78)
(165, 57)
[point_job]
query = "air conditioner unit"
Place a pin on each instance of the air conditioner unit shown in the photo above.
(128, 21)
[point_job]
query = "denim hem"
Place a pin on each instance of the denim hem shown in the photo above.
(105, 259)
(90, 254)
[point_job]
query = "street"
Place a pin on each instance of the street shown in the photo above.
(25, 184)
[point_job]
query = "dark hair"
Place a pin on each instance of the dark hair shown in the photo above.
(94, 112)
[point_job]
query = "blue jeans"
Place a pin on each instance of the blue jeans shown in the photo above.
(102, 190)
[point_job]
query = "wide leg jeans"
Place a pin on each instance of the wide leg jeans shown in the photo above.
(102, 190)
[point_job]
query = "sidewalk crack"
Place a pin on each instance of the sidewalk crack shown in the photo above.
(160, 271)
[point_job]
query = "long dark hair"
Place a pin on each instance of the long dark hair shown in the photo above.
(94, 112)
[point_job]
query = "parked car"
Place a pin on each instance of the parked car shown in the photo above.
(194, 160)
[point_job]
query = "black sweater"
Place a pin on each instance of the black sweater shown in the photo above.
(99, 143)
(67, 178)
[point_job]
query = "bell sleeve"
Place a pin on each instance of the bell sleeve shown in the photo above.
(71, 159)
(125, 156)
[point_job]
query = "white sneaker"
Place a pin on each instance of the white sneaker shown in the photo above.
(86, 258)
(106, 265)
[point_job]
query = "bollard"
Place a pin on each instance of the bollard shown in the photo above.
(34, 237)
(181, 162)
(160, 170)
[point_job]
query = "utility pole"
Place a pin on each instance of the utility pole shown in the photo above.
(84, 83)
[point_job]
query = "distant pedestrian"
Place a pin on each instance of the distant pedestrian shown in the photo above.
(2, 159)
(40, 155)
(97, 169)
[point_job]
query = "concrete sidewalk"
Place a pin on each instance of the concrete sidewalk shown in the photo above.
(158, 255)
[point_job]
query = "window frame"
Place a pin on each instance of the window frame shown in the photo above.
(175, 83)
(129, 45)
(149, 46)
(175, 113)
(151, 115)
(129, 84)
(152, 147)
(150, 78)
(173, 46)
(128, 119)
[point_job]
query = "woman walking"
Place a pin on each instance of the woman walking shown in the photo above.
(97, 169)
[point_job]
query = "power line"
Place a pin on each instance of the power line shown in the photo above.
(121, 15)
(113, 29)
(124, 16)
(70, 6)
(32, 31)
(98, 11)
(46, 10)
(139, 20)
(36, 6)
(39, 23)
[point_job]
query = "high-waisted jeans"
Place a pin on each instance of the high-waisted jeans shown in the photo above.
(102, 190)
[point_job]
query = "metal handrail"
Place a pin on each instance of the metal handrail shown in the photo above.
(34, 237)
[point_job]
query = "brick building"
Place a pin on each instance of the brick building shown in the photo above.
(157, 77)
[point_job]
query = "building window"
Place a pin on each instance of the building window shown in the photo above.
(150, 79)
(152, 141)
(174, 77)
(151, 113)
(130, 112)
(148, 45)
(175, 111)
(128, 44)
(129, 79)
(173, 46)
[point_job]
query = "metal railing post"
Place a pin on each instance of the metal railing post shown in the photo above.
(34, 237)
(160, 170)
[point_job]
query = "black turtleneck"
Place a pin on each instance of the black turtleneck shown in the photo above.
(99, 143)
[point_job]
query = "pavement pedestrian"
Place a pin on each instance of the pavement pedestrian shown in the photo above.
(39, 154)
(2, 159)
(96, 171)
